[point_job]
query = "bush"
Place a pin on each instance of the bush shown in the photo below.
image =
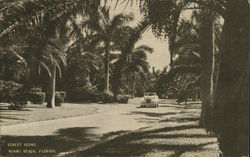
(37, 98)
(35, 90)
(81, 94)
(19, 100)
(123, 99)
(19, 97)
(59, 98)
(8, 89)
(105, 97)
(14, 107)
(61, 94)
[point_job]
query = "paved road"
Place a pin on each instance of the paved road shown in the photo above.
(112, 121)
(108, 118)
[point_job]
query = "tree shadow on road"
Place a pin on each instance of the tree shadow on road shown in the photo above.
(170, 140)
(143, 142)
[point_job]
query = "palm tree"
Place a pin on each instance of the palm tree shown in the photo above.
(82, 68)
(128, 39)
(45, 53)
(231, 99)
(107, 28)
(54, 54)
(138, 64)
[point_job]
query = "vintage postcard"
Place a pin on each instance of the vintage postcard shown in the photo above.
(124, 78)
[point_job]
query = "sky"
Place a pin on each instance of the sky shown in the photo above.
(160, 57)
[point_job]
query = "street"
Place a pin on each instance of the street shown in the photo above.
(83, 135)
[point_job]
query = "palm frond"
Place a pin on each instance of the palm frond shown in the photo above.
(120, 20)
(183, 69)
(144, 48)
(45, 67)
(32, 13)
(190, 47)
(58, 67)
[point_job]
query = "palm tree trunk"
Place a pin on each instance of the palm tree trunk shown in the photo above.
(196, 94)
(231, 109)
(206, 69)
(171, 64)
(134, 83)
(116, 82)
(213, 70)
(52, 88)
(172, 37)
(107, 68)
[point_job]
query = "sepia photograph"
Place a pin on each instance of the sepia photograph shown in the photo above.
(124, 78)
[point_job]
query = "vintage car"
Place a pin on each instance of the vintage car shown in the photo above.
(150, 100)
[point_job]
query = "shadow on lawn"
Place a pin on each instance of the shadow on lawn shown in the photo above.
(153, 114)
(6, 114)
(9, 117)
(64, 140)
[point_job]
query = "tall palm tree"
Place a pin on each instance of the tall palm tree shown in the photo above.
(231, 99)
(128, 39)
(54, 54)
(45, 50)
(107, 28)
(82, 68)
(137, 63)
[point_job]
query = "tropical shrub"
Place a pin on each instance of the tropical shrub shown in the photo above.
(7, 90)
(37, 98)
(105, 97)
(61, 94)
(81, 94)
(59, 98)
(18, 100)
(15, 107)
(123, 99)
(35, 90)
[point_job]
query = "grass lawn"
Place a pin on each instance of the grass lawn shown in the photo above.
(38, 112)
